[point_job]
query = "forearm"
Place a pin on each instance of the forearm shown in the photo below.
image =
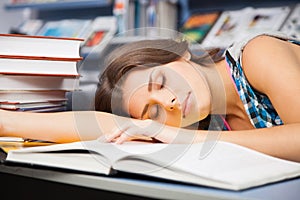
(280, 141)
(57, 127)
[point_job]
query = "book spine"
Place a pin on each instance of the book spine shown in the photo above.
(40, 58)
(41, 37)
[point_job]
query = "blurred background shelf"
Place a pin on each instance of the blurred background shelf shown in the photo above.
(55, 5)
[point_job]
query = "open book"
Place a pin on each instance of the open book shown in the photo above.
(226, 166)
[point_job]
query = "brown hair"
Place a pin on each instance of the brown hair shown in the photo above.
(146, 53)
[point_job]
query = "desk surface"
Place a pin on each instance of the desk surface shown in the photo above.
(289, 189)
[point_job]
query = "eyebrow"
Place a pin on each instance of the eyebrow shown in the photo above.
(149, 90)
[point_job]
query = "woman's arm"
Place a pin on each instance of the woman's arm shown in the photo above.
(280, 141)
(58, 127)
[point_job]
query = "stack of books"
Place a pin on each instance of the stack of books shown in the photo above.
(37, 71)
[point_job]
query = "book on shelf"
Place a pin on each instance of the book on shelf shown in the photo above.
(140, 16)
(28, 27)
(103, 30)
(67, 28)
(39, 46)
(131, 7)
(233, 25)
(95, 38)
(133, 16)
(14, 64)
(226, 166)
(167, 14)
(196, 27)
(32, 1)
(292, 25)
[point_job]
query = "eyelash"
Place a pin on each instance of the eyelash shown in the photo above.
(157, 107)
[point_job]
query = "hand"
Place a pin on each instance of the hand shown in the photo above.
(126, 130)
(133, 128)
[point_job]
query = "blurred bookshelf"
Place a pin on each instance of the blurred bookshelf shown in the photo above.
(56, 4)
(171, 14)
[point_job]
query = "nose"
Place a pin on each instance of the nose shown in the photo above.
(166, 99)
(171, 104)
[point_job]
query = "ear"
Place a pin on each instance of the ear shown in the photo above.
(187, 55)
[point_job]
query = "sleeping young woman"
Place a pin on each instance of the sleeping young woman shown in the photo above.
(159, 89)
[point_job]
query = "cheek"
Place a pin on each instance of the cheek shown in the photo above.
(135, 109)
(173, 118)
(134, 103)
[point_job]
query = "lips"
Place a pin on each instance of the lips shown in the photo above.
(186, 105)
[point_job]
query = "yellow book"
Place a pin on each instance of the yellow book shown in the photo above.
(13, 143)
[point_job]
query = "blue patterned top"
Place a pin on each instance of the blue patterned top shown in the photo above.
(257, 105)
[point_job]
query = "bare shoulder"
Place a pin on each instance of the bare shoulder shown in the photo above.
(272, 66)
(267, 46)
(266, 56)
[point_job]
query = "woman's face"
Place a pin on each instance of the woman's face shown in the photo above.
(176, 94)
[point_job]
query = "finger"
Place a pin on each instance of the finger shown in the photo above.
(141, 132)
(122, 138)
(115, 134)
(130, 134)
(105, 139)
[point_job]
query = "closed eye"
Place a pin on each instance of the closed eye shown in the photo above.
(154, 111)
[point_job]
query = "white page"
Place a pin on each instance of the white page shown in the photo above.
(227, 166)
